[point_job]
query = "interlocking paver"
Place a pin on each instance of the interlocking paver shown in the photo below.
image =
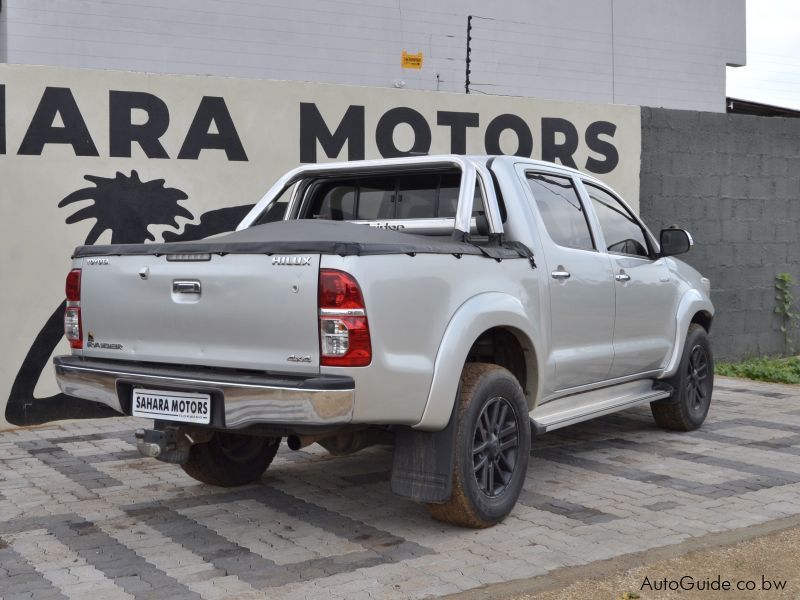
(80, 511)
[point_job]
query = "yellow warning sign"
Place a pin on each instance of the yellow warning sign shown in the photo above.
(411, 61)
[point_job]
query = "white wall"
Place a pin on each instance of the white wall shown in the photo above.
(46, 182)
(668, 53)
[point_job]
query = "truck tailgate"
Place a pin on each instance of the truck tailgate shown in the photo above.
(236, 310)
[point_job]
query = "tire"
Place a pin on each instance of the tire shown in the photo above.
(693, 384)
(231, 459)
(488, 396)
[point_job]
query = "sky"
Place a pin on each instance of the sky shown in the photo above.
(772, 74)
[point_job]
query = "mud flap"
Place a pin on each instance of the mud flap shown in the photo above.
(666, 387)
(423, 463)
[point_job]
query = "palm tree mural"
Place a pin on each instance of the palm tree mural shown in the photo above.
(127, 206)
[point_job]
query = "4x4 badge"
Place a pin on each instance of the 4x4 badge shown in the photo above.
(299, 359)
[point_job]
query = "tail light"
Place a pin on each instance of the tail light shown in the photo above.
(343, 329)
(72, 315)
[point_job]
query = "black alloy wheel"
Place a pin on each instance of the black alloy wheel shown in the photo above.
(693, 385)
(495, 447)
(492, 446)
(697, 392)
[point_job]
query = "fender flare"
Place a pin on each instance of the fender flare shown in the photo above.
(690, 304)
(477, 315)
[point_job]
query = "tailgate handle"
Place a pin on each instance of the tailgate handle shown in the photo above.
(186, 286)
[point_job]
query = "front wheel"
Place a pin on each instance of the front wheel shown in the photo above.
(231, 459)
(493, 442)
(693, 385)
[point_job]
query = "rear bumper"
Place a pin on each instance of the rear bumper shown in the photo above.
(247, 398)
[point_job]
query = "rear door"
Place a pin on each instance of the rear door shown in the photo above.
(646, 297)
(581, 284)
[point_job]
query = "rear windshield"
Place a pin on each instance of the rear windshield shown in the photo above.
(412, 196)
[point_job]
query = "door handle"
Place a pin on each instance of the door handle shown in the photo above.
(186, 287)
(560, 275)
(622, 277)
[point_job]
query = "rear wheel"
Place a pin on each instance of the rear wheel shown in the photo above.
(231, 459)
(492, 447)
(693, 385)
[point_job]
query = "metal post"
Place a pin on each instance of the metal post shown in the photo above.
(469, 50)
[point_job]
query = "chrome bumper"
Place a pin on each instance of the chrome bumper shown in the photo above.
(248, 398)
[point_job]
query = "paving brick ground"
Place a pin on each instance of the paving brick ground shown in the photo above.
(83, 515)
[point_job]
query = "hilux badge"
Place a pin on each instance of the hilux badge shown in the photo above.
(298, 261)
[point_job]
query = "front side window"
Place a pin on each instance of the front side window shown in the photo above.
(623, 233)
(561, 210)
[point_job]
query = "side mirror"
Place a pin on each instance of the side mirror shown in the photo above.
(675, 241)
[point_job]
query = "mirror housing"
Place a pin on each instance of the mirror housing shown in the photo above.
(675, 241)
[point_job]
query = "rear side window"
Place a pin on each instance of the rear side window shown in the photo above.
(622, 233)
(561, 210)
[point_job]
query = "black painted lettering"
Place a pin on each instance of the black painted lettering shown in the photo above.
(552, 150)
(458, 123)
(601, 146)
(57, 101)
(212, 109)
(313, 129)
(515, 123)
(122, 132)
(384, 132)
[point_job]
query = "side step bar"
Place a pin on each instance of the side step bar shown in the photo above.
(594, 403)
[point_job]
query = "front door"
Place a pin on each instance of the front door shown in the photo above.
(646, 296)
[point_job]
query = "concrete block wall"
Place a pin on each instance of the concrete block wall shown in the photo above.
(733, 181)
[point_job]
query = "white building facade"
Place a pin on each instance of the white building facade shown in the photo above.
(669, 53)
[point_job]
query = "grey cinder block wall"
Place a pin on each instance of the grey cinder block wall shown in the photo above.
(733, 181)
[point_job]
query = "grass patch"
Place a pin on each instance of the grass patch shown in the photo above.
(764, 368)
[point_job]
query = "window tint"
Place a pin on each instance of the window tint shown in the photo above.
(418, 196)
(375, 199)
(448, 195)
(623, 234)
(561, 210)
(338, 202)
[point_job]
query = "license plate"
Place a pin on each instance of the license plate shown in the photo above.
(172, 406)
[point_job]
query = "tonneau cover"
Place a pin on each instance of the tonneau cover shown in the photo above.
(318, 237)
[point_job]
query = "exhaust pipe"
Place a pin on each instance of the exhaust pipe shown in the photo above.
(296, 442)
(341, 442)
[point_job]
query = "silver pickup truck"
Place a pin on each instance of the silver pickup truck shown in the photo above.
(450, 306)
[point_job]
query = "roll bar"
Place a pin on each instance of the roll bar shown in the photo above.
(471, 172)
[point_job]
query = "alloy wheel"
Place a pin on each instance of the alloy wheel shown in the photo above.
(495, 446)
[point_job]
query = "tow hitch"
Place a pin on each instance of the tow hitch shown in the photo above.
(171, 444)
